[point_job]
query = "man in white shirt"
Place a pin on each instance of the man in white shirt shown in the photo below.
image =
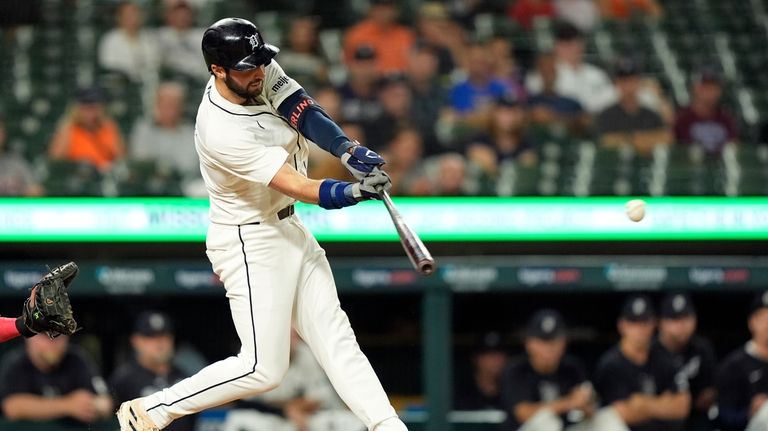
(129, 49)
(253, 130)
(179, 42)
(586, 83)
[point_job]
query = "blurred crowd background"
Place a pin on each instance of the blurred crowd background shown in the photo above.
(464, 97)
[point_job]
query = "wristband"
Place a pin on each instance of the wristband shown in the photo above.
(332, 195)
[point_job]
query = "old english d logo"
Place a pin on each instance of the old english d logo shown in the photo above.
(254, 40)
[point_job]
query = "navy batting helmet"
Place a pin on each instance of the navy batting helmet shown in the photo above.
(236, 43)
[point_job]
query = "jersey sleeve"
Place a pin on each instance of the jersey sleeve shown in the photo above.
(277, 85)
(242, 156)
(706, 377)
(513, 388)
(86, 377)
(609, 384)
(733, 401)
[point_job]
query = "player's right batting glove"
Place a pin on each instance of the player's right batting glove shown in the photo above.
(361, 161)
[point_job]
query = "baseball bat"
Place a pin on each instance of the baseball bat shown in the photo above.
(418, 254)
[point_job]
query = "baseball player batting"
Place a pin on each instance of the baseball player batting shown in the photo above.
(253, 131)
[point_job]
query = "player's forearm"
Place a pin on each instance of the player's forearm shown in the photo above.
(670, 406)
(291, 183)
(8, 328)
(307, 116)
(526, 410)
(34, 407)
(630, 413)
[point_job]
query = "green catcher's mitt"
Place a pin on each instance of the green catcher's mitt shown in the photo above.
(48, 309)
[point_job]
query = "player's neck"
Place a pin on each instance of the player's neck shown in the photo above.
(670, 344)
(156, 368)
(758, 350)
(637, 353)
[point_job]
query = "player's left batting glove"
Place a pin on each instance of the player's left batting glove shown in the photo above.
(369, 186)
(361, 161)
(335, 194)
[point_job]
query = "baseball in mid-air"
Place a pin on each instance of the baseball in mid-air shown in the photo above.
(635, 209)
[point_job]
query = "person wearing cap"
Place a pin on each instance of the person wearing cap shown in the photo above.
(588, 84)
(129, 49)
(179, 42)
(628, 122)
(381, 31)
(692, 354)
(436, 31)
(545, 389)
(87, 133)
(484, 389)
(395, 99)
(705, 122)
(16, 177)
(152, 367)
(742, 380)
(54, 382)
(359, 95)
(640, 386)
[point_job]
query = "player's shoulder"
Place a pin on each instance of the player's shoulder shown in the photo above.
(701, 344)
(572, 364)
(518, 365)
(610, 359)
(127, 373)
(15, 360)
(736, 359)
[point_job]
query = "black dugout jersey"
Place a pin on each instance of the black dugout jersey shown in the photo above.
(741, 376)
(521, 383)
(617, 379)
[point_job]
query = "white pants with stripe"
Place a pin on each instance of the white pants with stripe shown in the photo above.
(277, 276)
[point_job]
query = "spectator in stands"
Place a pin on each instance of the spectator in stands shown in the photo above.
(50, 380)
(395, 99)
(450, 178)
(380, 30)
(577, 79)
(471, 99)
(167, 138)
(436, 30)
(742, 381)
(129, 49)
(87, 134)
(526, 11)
(305, 395)
(628, 122)
(640, 384)
(16, 177)
(488, 364)
(360, 102)
(403, 155)
(506, 133)
(301, 59)
(427, 94)
(551, 110)
(625, 9)
(705, 122)
(504, 65)
(545, 389)
(179, 42)
(152, 367)
(693, 356)
(583, 14)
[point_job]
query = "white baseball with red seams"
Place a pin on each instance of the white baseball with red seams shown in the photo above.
(275, 274)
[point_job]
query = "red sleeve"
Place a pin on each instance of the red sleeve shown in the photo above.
(8, 329)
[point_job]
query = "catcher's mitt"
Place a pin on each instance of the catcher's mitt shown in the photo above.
(48, 309)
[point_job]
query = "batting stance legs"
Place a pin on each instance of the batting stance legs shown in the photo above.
(276, 276)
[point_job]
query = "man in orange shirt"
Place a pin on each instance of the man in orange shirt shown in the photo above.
(380, 30)
(88, 134)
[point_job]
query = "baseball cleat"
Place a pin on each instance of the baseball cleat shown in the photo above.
(133, 417)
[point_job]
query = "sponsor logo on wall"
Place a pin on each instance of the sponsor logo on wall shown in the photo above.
(18, 279)
(625, 276)
(704, 276)
(548, 276)
(196, 279)
(125, 280)
(383, 277)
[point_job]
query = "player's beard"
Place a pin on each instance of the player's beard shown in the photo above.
(248, 93)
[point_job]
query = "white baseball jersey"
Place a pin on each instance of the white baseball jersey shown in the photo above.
(241, 148)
